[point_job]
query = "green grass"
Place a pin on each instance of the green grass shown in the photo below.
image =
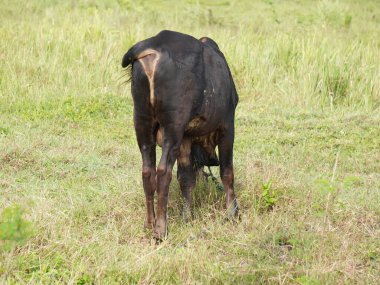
(307, 159)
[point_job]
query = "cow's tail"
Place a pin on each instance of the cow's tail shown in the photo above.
(134, 51)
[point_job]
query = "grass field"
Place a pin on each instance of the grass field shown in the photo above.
(307, 148)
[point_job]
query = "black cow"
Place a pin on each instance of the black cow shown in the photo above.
(184, 100)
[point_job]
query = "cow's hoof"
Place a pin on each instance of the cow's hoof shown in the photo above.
(160, 231)
(232, 213)
(160, 237)
(149, 224)
(187, 214)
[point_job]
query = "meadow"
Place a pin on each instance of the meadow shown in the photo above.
(306, 157)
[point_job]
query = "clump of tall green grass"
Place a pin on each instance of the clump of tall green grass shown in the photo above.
(14, 229)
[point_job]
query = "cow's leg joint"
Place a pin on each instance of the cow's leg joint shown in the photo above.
(161, 170)
(146, 172)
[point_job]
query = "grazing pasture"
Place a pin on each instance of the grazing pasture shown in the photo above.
(306, 156)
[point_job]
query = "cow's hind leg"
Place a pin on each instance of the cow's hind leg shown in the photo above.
(186, 176)
(149, 183)
(170, 150)
(147, 145)
(225, 147)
